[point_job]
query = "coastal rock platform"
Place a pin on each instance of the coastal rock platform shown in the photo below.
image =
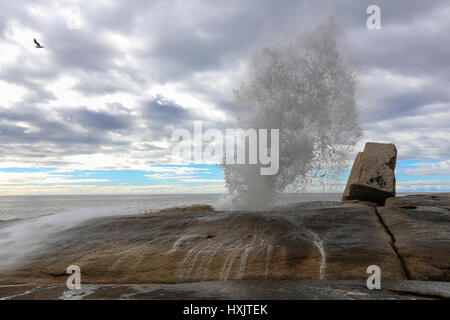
(193, 244)
(238, 290)
(300, 251)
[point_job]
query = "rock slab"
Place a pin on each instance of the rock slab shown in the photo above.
(430, 200)
(191, 246)
(238, 290)
(422, 239)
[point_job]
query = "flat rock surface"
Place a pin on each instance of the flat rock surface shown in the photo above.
(236, 290)
(296, 242)
(358, 203)
(432, 199)
(202, 245)
(422, 238)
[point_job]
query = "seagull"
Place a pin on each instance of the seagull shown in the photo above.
(38, 45)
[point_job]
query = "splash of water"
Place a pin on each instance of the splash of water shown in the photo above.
(20, 240)
(303, 86)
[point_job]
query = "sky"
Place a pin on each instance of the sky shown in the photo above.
(94, 110)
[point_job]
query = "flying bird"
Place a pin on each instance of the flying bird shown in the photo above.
(38, 45)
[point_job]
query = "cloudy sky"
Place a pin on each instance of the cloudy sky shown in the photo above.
(94, 110)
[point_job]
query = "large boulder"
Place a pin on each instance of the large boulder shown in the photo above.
(372, 176)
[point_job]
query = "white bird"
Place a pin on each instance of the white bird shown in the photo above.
(38, 45)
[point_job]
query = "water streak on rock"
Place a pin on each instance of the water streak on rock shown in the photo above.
(268, 254)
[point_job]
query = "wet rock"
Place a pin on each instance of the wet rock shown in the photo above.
(422, 239)
(372, 176)
(246, 290)
(432, 199)
(358, 203)
(202, 245)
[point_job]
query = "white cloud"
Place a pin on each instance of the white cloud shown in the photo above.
(423, 185)
(202, 180)
(41, 178)
(64, 189)
(10, 93)
(178, 170)
(439, 168)
(182, 174)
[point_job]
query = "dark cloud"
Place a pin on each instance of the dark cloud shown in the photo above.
(206, 36)
(94, 84)
(160, 110)
(422, 52)
(79, 49)
(162, 116)
(95, 120)
(34, 132)
(2, 25)
(30, 76)
(406, 104)
(175, 41)
(27, 126)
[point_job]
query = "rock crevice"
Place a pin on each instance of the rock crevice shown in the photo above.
(393, 245)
